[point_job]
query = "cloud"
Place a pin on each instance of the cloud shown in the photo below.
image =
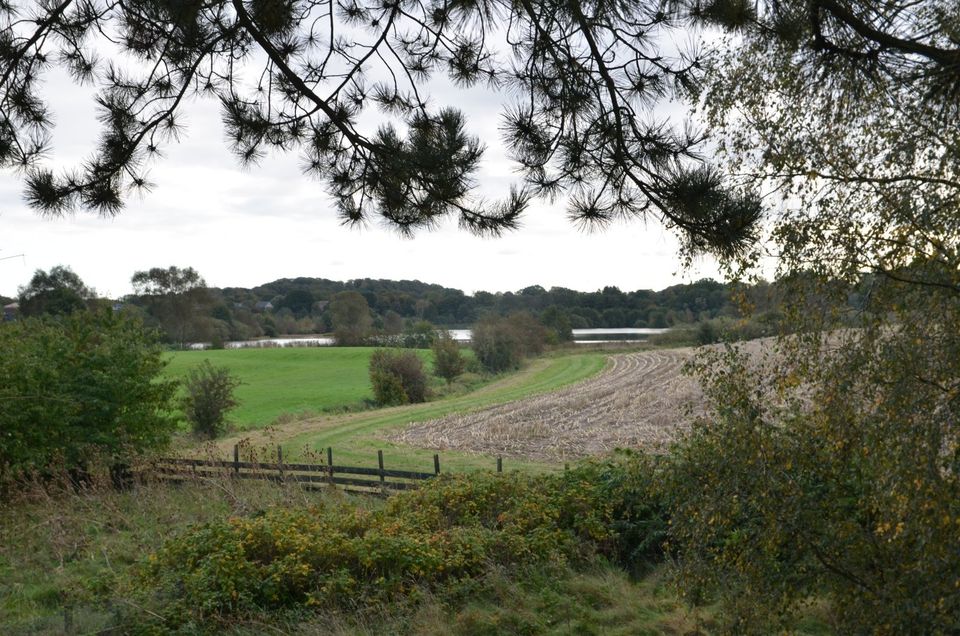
(246, 227)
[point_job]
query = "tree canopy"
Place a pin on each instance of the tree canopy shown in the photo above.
(831, 467)
(59, 291)
(177, 300)
(580, 81)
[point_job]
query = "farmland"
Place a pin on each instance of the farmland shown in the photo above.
(636, 402)
(356, 437)
(288, 380)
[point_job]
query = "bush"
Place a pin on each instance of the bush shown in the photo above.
(501, 343)
(79, 385)
(397, 377)
(837, 490)
(209, 396)
(454, 528)
(448, 362)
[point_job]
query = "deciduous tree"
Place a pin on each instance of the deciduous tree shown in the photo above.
(59, 291)
(448, 362)
(832, 469)
(351, 318)
(177, 298)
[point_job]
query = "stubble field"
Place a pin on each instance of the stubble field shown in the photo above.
(640, 400)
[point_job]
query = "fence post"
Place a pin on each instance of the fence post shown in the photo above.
(330, 463)
(436, 464)
(380, 462)
(236, 460)
(280, 461)
(499, 464)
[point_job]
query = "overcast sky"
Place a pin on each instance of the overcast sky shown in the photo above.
(246, 227)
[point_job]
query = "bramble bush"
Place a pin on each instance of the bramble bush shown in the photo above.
(452, 529)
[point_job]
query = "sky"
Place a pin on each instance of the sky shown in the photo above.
(244, 227)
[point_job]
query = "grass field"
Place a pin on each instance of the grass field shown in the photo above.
(356, 437)
(289, 380)
(302, 398)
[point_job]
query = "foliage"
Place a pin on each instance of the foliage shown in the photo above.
(557, 322)
(421, 335)
(158, 281)
(177, 300)
(826, 476)
(55, 563)
(352, 323)
(832, 468)
(77, 385)
(59, 291)
(397, 377)
(299, 301)
(209, 396)
(607, 307)
(495, 344)
(448, 362)
(581, 82)
(454, 528)
(501, 343)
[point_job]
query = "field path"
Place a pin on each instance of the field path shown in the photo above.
(638, 401)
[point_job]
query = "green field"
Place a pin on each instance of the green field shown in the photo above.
(324, 383)
(289, 380)
(356, 438)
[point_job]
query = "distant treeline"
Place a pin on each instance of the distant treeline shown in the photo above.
(178, 302)
(302, 305)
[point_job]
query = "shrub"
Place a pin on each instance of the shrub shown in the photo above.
(78, 385)
(448, 362)
(501, 343)
(209, 396)
(419, 335)
(397, 377)
(837, 489)
(454, 528)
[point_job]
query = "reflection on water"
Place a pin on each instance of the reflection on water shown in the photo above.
(580, 336)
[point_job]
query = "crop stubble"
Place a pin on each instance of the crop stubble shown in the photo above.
(640, 400)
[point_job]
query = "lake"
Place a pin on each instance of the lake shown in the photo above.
(588, 336)
(580, 336)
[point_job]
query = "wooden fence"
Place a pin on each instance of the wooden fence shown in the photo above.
(379, 480)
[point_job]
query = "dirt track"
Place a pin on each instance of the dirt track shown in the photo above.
(638, 401)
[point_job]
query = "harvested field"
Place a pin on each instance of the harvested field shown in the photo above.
(638, 401)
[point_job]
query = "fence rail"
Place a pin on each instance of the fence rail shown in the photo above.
(380, 479)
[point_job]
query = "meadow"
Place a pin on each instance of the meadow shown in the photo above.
(289, 380)
(309, 399)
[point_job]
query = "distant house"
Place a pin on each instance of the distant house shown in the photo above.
(263, 305)
(320, 305)
(11, 311)
(117, 307)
